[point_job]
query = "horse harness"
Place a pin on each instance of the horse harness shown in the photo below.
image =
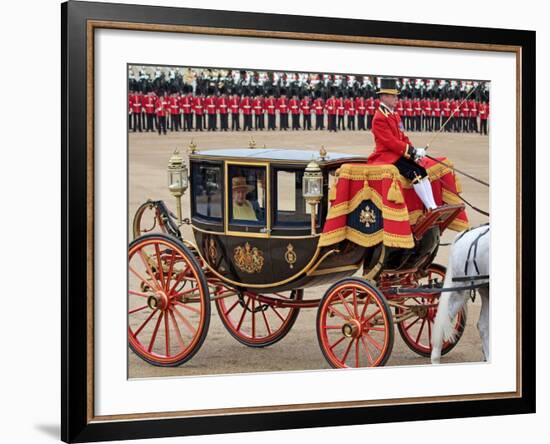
(471, 258)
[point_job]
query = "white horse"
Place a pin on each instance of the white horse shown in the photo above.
(469, 256)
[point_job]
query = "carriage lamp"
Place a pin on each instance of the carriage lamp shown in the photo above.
(178, 179)
(312, 189)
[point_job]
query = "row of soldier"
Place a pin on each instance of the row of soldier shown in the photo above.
(187, 112)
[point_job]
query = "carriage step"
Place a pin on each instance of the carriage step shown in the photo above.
(441, 216)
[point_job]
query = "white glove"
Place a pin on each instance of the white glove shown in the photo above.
(420, 153)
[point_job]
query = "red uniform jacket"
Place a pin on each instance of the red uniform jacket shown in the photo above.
(160, 107)
(186, 103)
(282, 105)
(234, 104)
(370, 106)
(473, 108)
(135, 100)
(483, 111)
(436, 108)
(360, 105)
(223, 104)
(319, 106)
(246, 106)
(446, 108)
(465, 109)
(350, 107)
(331, 106)
(305, 105)
(390, 141)
(258, 106)
(427, 108)
(409, 111)
(417, 105)
(340, 107)
(174, 105)
(294, 105)
(400, 108)
(271, 105)
(210, 104)
(149, 104)
(198, 106)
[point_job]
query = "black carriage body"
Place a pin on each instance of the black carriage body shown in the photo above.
(275, 251)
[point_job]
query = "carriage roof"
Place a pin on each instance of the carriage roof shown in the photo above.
(279, 155)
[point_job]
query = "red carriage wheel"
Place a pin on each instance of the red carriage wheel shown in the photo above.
(354, 325)
(168, 301)
(147, 220)
(416, 331)
(254, 323)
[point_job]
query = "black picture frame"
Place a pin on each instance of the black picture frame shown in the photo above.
(77, 422)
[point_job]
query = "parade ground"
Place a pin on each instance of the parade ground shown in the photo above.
(299, 350)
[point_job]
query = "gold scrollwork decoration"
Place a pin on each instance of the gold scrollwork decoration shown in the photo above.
(248, 259)
(212, 250)
(290, 255)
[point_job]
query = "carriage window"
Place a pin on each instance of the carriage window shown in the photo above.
(247, 194)
(291, 206)
(207, 191)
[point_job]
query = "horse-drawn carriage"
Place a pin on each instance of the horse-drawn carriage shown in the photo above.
(259, 221)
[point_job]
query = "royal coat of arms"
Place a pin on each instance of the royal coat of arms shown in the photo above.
(248, 259)
(367, 217)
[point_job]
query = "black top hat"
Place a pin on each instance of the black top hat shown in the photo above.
(388, 86)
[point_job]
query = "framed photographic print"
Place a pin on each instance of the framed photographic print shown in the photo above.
(275, 221)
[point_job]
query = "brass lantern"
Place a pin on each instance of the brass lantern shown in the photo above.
(178, 179)
(312, 189)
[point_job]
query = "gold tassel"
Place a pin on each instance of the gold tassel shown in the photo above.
(366, 192)
(394, 193)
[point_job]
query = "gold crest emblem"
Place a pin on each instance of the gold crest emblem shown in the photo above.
(367, 217)
(212, 250)
(290, 255)
(248, 259)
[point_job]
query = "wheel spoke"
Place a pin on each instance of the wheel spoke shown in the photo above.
(184, 320)
(420, 331)
(155, 332)
(167, 335)
(336, 312)
(170, 269)
(135, 310)
(337, 342)
(365, 306)
(277, 313)
(369, 355)
(141, 278)
(373, 341)
(245, 308)
(266, 323)
(142, 326)
(231, 308)
(356, 352)
(178, 279)
(138, 293)
(186, 292)
(179, 337)
(371, 316)
(188, 307)
(345, 304)
(355, 310)
(159, 265)
(348, 348)
(148, 268)
(412, 323)
(253, 319)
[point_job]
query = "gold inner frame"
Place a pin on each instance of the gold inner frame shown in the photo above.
(92, 25)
